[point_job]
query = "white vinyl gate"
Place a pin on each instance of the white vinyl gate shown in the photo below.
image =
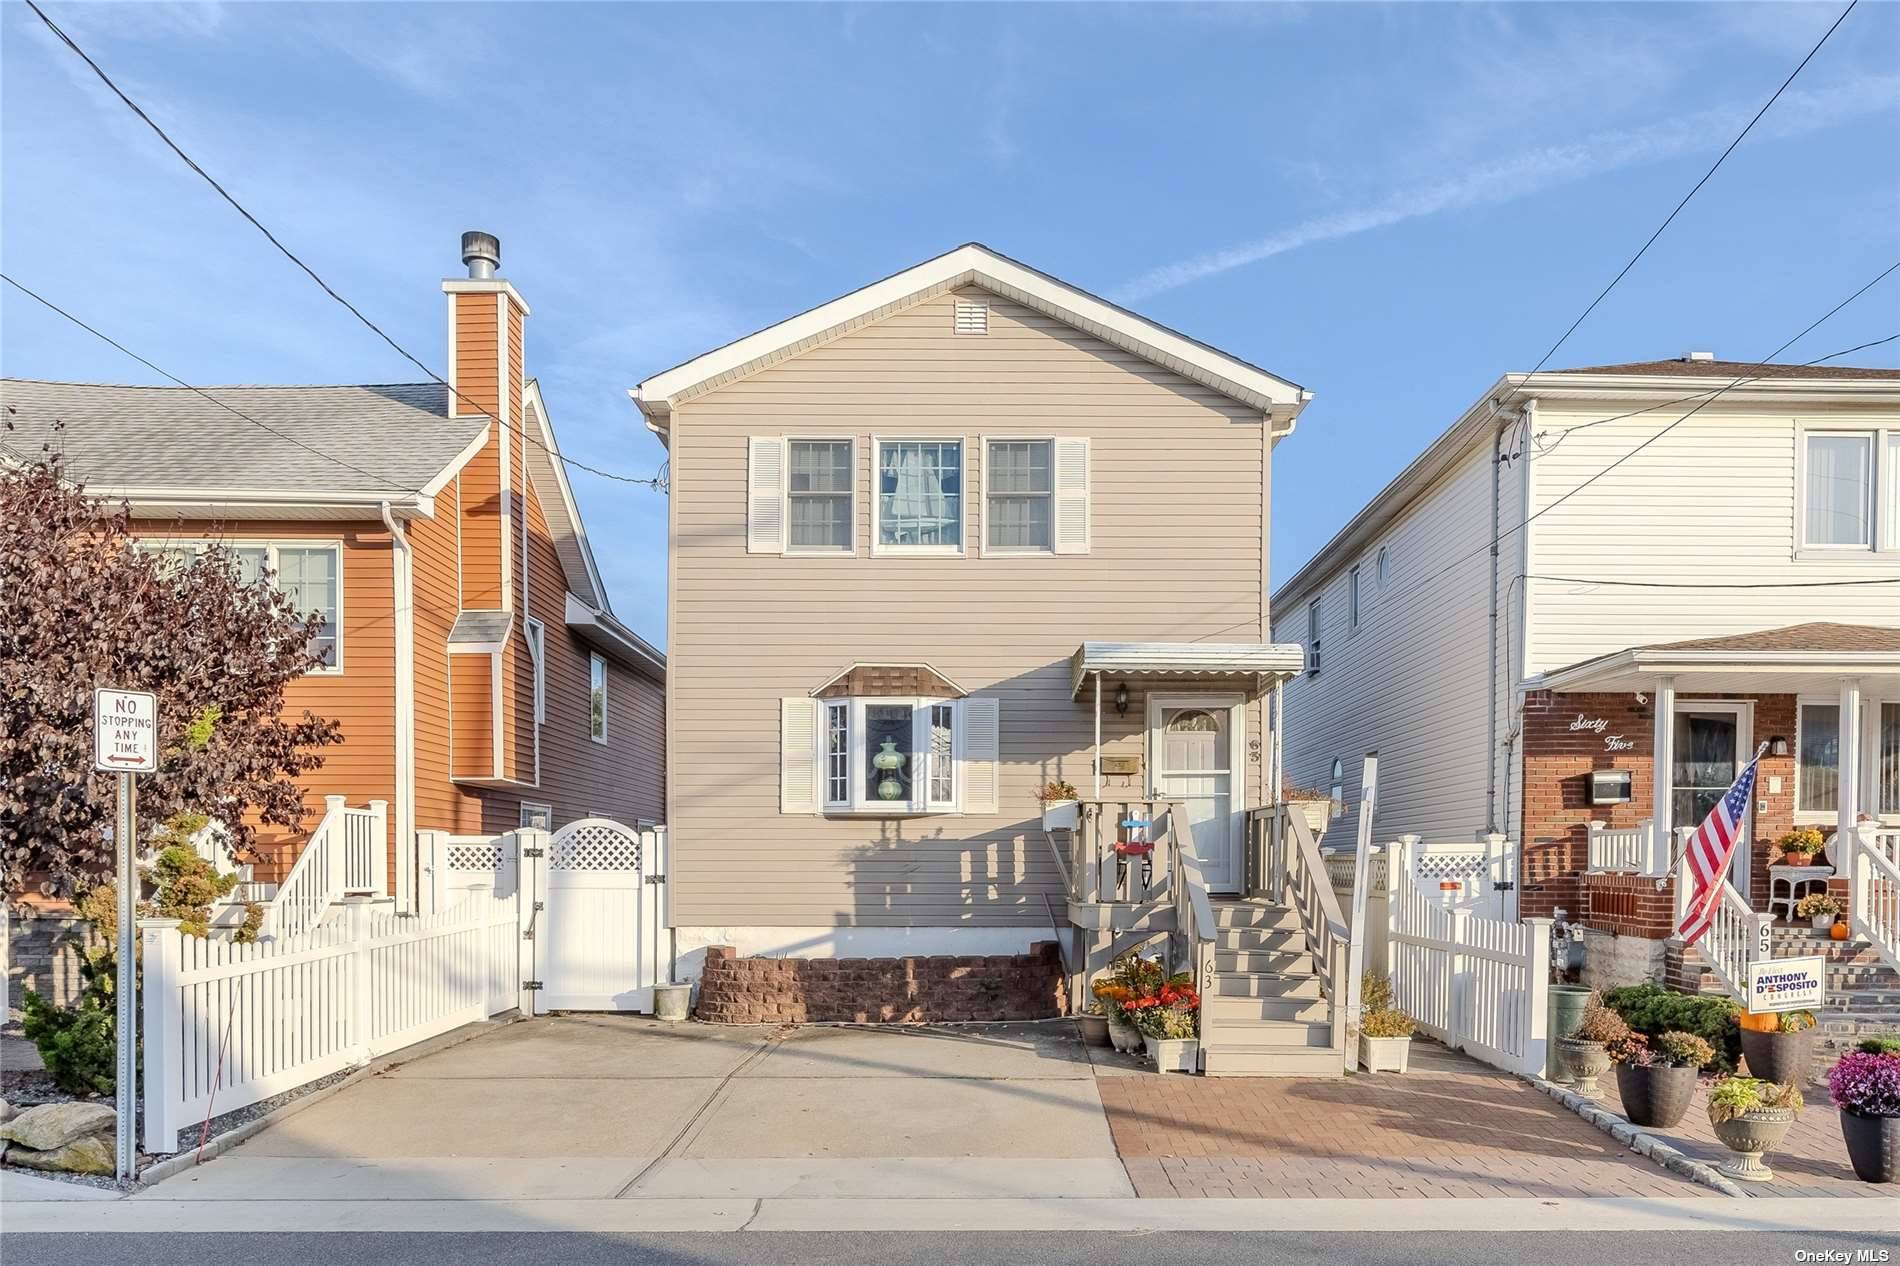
(594, 934)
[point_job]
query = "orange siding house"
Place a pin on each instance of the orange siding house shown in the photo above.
(469, 635)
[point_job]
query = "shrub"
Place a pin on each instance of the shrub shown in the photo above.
(1652, 1011)
(1738, 1096)
(77, 1044)
(1867, 1082)
(1685, 1049)
(1600, 1024)
(1879, 1045)
(1387, 1022)
(1375, 991)
(1058, 790)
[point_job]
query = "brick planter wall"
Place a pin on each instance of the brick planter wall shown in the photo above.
(933, 990)
(1627, 905)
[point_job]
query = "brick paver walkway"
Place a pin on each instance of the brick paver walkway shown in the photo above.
(1811, 1161)
(1448, 1127)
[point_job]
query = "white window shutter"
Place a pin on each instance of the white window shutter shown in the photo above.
(798, 767)
(765, 495)
(1071, 485)
(979, 768)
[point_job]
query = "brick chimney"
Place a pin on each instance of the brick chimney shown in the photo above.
(486, 317)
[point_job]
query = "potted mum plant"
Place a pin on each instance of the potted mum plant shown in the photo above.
(1385, 1032)
(1751, 1116)
(1778, 1046)
(1865, 1086)
(1061, 806)
(1169, 1022)
(1820, 909)
(1132, 979)
(1586, 1053)
(1656, 1080)
(1797, 847)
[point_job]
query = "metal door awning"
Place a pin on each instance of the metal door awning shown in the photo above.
(1267, 662)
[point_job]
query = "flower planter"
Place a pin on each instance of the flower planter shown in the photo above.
(1174, 1054)
(1124, 1037)
(1797, 859)
(1750, 1135)
(1318, 814)
(1822, 922)
(1873, 1146)
(672, 1002)
(1779, 1057)
(1384, 1054)
(1656, 1096)
(1583, 1063)
(1094, 1029)
(1061, 815)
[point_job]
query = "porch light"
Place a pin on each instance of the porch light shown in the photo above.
(1121, 700)
(1777, 746)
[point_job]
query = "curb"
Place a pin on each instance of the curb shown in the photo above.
(172, 1166)
(1670, 1157)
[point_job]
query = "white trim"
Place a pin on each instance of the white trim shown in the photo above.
(265, 503)
(455, 383)
(983, 493)
(434, 487)
(1879, 531)
(607, 633)
(483, 286)
(878, 547)
(861, 805)
(531, 392)
(497, 765)
(790, 550)
(1208, 701)
(536, 634)
(595, 657)
(1744, 712)
(978, 265)
(402, 569)
(506, 480)
(271, 545)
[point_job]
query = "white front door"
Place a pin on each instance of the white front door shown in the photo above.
(1711, 739)
(1192, 750)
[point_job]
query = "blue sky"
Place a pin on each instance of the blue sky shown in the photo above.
(1389, 205)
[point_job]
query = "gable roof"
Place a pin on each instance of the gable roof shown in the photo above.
(1818, 636)
(346, 446)
(558, 506)
(978, 265)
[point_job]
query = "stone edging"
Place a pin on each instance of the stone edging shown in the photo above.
(159, 1171)
(1671, 1158)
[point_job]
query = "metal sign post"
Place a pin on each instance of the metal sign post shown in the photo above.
(125, 742)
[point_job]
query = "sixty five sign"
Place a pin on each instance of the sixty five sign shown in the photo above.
(125, 731)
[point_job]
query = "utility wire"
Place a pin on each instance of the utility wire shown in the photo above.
(655, 483)
(291, 439)
(1670, 219)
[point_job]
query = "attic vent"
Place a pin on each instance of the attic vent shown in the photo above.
(1701, 356)
(973, 317)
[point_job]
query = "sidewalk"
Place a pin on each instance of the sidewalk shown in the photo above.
(1811, 1161)
(1449, 1127)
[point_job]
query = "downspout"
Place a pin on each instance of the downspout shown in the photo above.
(404, 579)
(1491, 681)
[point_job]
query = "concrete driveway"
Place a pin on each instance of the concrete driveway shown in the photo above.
(599, 1107)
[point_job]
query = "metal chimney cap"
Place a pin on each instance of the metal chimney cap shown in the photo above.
(482, 253)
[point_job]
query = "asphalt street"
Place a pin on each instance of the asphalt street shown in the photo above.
(911, 1248)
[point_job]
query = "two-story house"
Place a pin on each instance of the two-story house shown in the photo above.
(1692, 558)
(470, 652)
(935, 544)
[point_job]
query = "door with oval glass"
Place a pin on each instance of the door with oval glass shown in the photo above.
(1194, 751)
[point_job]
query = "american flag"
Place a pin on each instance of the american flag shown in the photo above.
(1710, 849)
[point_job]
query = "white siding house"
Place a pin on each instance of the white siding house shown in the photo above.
(1661, 513)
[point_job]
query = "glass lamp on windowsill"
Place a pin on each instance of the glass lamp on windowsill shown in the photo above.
(888, 762)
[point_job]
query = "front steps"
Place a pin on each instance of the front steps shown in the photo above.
(1264, 1004)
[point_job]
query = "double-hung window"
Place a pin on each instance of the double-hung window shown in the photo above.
(310, 575)
(889, 755)
(818, 496)
(919, 497)
(1020, 488)
(1849, 491)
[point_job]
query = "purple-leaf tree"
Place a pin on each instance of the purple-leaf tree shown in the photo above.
(81, 608)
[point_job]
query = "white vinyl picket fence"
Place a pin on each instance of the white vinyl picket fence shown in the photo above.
(227, 1025)
(1477, 984)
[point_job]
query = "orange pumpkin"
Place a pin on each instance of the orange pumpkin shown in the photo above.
(1765, 1022)
(1839, 930)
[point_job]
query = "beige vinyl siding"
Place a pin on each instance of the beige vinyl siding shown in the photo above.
(1410, 683)
(1713, 500)
(1176, 549)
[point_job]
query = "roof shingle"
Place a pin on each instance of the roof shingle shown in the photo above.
(1819, 636)
(1682, 367)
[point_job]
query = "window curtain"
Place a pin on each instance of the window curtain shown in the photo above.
(1887, 774)
(1840, 470)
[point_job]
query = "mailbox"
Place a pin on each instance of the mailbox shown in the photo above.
(1610, 786)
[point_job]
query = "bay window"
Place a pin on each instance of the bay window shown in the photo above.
(887, 756)
(919, 497)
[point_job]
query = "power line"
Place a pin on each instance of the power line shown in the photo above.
(657, 483)
(1739, 136)
(106, 338)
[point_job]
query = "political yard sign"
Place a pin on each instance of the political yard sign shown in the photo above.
(1786, 984)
